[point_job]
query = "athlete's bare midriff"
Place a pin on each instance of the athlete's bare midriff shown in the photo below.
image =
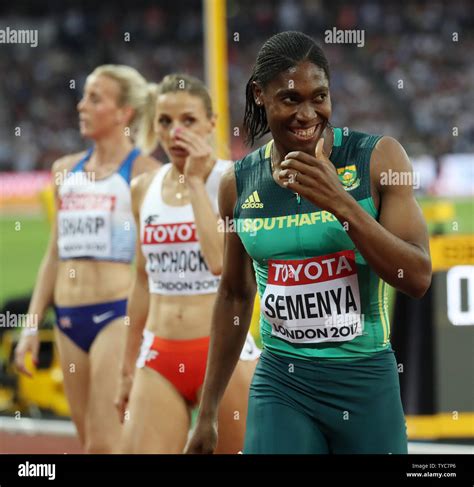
(81, 282)
(180, 317)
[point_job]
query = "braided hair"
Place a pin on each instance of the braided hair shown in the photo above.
(279, 53)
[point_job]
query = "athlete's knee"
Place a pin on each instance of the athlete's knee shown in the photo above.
(80, 428)
(96, 445)
(127, 444)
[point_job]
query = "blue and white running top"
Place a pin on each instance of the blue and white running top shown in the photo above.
(95, 217)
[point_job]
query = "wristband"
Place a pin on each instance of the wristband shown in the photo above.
(30, 331)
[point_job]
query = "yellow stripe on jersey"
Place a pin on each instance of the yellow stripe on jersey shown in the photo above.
(255, 321)
(268, 149)
(382, 295)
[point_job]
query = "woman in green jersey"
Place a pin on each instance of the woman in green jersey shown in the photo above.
(320, 217)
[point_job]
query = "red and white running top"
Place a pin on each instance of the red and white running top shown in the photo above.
(169, 241)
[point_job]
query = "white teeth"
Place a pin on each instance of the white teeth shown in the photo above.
(308, 133)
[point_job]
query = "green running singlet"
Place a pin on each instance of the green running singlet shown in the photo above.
(322, 304)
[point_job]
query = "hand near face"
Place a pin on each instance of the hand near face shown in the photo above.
(314, 178)
(199, 159)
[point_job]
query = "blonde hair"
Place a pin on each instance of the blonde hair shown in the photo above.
(176, 82)
(138, 94)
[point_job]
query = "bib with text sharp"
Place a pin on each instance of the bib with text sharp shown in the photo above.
(314, 300)
(84, 225)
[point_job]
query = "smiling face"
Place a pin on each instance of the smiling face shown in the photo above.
(99, 110)
(180, 110)
(298, 106)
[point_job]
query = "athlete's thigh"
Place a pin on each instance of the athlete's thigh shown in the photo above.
(279, 418)
(233, 408)
(103, 428)
(75, 367)
(157, 419)
(275, 427)
(377, 426)
(373, 419)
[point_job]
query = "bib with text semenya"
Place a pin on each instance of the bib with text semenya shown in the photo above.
(314, 300)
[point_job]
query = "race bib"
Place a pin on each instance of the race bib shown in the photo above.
(175, 263)
(314, 300)
(85, 225)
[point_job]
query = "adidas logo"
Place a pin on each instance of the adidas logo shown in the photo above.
(253, 201)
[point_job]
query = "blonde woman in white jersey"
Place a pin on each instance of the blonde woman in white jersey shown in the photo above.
(86, 271)
(179, 260)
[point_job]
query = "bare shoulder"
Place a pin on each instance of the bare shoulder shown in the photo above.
(140, 184)
(144, 164)
(389, 153)
(388, 157)
(62, 166)
(227, 192)
(67, 162)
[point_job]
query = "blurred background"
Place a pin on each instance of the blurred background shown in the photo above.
(413, 79)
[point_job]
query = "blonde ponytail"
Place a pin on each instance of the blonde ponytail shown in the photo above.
(141, 96)
(146, 137)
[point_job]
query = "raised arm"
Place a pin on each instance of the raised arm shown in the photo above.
(197, 168)
(397, 245)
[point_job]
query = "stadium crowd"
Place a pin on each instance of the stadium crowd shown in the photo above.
(412, 78)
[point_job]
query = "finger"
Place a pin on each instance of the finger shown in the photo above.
(321, 155)
(188, 135)
(191, 139)
(185, 145)
(191, 148)
(319, 151)
(300, 167)
(301, 156)
(301, 180)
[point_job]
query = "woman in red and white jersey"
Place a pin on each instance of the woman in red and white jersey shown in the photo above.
(86, 270)
(179, 260)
